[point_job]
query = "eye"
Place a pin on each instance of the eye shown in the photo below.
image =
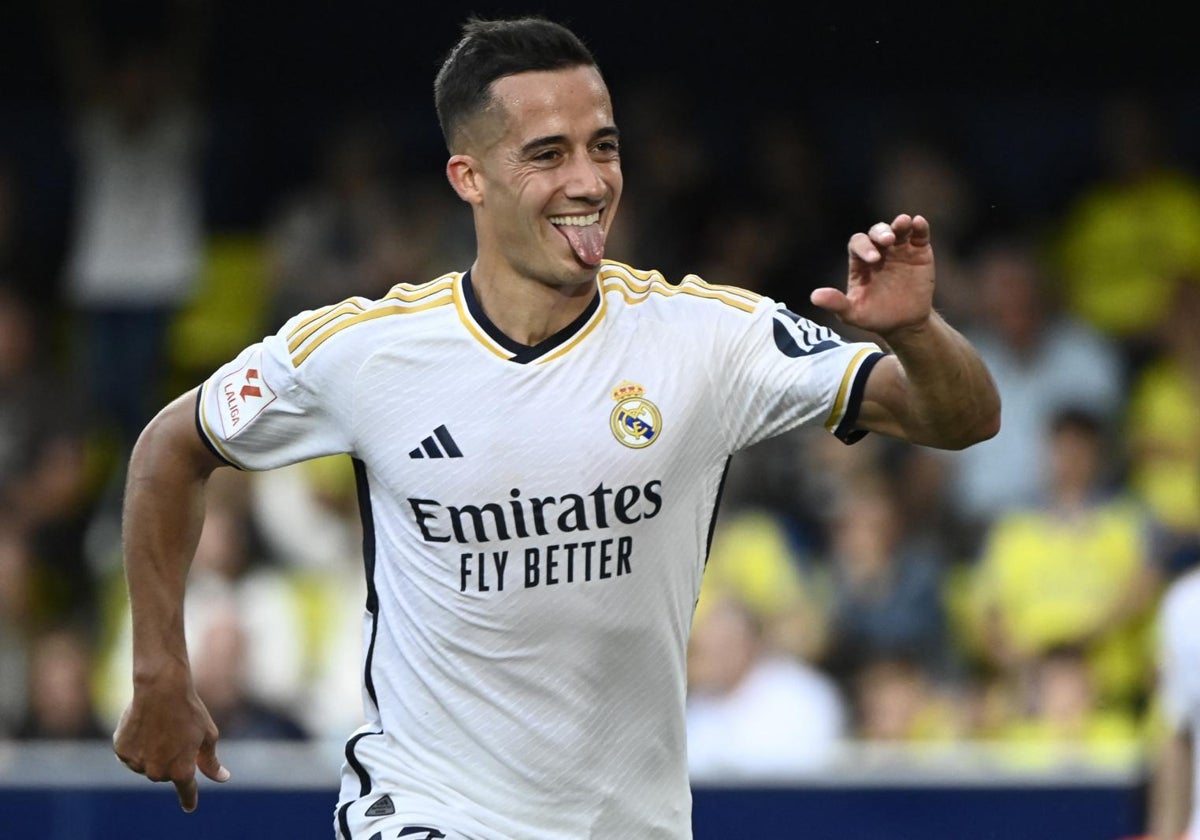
(608, 148)
(547, 156)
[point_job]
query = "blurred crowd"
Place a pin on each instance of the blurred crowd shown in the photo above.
(873, 592)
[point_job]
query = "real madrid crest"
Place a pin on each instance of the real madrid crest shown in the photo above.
(635, 421)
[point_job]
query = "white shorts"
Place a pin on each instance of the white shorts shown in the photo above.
(375, 817)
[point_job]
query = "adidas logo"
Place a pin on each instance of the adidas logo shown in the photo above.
(382, 807)
(429, 447)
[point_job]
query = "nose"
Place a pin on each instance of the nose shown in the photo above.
(585, 179)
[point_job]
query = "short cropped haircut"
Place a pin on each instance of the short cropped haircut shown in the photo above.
(492, 49)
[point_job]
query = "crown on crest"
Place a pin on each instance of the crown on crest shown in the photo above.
(626, 390)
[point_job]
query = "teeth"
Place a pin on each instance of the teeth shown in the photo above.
(580, 221)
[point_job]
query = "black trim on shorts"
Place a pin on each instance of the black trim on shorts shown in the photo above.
(204, 437)
(364, 782)
(845, 431)
(367, 517)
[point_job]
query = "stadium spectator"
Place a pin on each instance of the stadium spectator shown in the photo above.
(17, 617)
(915, 167)
(1134, 231)
(886, 595)
(896, 700)
(230, 571)
(754, 713)
(24, 265)
(1060, 720)
(45, 487)
(138, 228)
(1162, 430)
(1079, 569)
(1043, 360)
(61, 704)
(343, 233)
(756, 559)
(225, 684)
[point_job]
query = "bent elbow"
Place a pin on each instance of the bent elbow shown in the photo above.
(988, 426)
(985, 427)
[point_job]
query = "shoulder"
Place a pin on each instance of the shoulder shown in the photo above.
(636, 287)
(354, 324)
(1182, 597)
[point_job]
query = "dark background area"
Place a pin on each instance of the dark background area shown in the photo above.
(1010, 89)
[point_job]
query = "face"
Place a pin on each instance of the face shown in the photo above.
(542, 171)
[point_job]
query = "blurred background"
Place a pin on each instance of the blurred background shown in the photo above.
(177, 178)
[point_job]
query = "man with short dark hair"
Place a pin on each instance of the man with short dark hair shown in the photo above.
(540, 443)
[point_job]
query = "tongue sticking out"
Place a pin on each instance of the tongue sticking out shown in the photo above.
(587, 240)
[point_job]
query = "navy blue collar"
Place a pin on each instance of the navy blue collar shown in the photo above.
(524, 353)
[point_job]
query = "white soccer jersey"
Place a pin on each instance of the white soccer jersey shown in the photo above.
(1179, 669)
(536, 525)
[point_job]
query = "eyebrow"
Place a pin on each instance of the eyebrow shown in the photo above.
(609, 132)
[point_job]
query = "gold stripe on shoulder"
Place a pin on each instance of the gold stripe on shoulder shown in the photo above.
(620, 269)
(735, 291)
(368, 315)
(636, 286)
(686, 288)
(302, 332)
(405, 291)
(317, 315)
(401, 291)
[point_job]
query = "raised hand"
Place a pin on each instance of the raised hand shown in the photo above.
(890, 280)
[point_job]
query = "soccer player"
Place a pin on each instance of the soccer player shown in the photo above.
(539, 442)
(1174, 810)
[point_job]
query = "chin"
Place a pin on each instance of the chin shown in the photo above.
(577, 275)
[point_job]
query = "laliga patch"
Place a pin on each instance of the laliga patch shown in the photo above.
(243, 395)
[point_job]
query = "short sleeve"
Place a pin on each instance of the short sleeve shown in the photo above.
(268, 408)
(787, 371)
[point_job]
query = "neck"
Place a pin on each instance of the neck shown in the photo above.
(529, 311)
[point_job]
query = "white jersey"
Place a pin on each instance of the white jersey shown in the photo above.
(536, 521)
(1179, 670)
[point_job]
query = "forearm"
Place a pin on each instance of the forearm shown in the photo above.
(163, 513)
(941, 393)
(1171, 788)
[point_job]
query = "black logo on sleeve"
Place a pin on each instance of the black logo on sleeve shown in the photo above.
(438, 445)
(797, 336)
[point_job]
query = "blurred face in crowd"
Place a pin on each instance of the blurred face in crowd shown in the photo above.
(1075, 459)
(60, 688)
(1009, 291)
(540, 166)
(723, 648)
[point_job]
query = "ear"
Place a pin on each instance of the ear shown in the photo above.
(463, 173)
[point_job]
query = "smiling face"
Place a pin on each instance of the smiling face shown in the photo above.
(541, 170)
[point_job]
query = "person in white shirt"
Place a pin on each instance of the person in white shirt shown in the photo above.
(753, 713)
(539, 442)
(1174, 811)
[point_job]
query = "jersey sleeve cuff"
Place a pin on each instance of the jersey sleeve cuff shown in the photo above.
(203, 431)
(844, 416)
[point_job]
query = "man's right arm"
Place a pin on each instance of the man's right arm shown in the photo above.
(166, 732)
(1171, 787)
